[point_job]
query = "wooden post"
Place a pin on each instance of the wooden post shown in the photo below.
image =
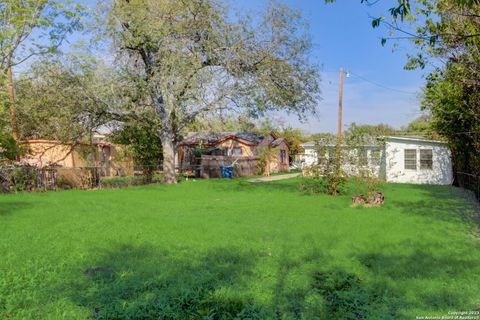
(11, 96)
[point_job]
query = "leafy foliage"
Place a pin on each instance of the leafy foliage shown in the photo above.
(62, 98)
(32, 27)
(445, 31)
(324, 178)
(197, 60)
(455, 109)
(9, 150)
(143, 144)
(122, 182)
(18, 178)
(266, 155)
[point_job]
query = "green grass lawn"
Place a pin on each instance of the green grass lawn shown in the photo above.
(221, 249)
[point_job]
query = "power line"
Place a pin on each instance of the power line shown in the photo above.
(381, 85)
(372, 82)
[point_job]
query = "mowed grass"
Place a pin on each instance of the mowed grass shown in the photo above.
(222, 249)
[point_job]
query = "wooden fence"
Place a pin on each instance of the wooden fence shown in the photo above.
(242, 167)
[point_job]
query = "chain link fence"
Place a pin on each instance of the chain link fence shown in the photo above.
(15, 178)
(468, 181)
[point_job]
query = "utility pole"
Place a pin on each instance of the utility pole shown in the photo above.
(340, 107)
(339, 133)
(11, 96)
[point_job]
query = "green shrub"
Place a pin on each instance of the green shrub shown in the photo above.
(22, 179)
(313, 185)
(328, 184)
(335, 184)
(123, 182)
(364, 186)
(74, 178)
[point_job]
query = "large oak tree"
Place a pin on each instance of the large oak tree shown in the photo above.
(193, 57)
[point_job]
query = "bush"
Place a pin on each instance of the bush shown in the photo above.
(364, 186)
(313, 185)
(336, 185)
(23, 179)
(123, 182)
(18, 177)
(75, 178)
(328, 184)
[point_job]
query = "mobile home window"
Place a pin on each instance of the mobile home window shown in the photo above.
(375, 157)
(362, 156)
(323, 156)
(411, 159)
(426, 159)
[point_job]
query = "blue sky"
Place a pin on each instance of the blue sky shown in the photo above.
(343, 37)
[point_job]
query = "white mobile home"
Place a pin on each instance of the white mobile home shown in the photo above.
(417, 160)
(396, 159)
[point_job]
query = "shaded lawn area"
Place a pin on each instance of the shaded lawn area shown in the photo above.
(221, 249)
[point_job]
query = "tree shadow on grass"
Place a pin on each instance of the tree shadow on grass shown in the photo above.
(330, 292)
(440, 202)
(434, 271)
(7, 208)
(143, 282)
(247, 186)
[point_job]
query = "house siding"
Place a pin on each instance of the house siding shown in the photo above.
(391, 166)
(43, 153)
(441, 172)
(209, 162)
(247, 151)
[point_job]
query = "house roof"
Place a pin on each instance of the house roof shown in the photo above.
(277, 142)
(371, 141)
(412, 139)
(209, 138)
(58, 142)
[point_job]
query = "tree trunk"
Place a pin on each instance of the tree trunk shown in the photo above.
(168, 159)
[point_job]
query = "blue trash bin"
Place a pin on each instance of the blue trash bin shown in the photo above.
(227, 172)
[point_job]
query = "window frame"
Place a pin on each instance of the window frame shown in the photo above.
(283, 156)
(229, 151)
(375, 157)
(428, 161)
(322, 157)
(412, 160)
(362, 156)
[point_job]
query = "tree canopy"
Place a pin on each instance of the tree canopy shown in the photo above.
(191, 58)
(62, 97)
(446, 35)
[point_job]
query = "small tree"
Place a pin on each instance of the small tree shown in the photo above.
(29, 28)
(144, 145)
(267, 155)
(330, 167)
(364, 155)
